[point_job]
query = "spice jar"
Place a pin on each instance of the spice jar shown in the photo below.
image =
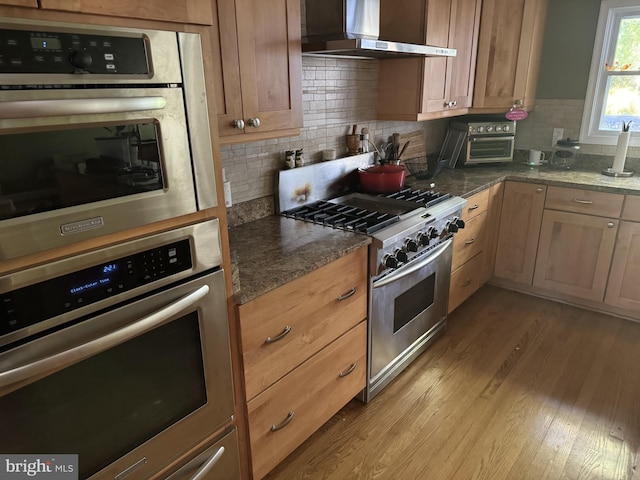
(290, 159)
(299, 158)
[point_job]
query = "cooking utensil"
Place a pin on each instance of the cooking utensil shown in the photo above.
(382, 178)
(403, 149)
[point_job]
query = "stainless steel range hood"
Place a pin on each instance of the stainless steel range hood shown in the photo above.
(350, 28)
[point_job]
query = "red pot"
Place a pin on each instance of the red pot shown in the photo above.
(382, 178)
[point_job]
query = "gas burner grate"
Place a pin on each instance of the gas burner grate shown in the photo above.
(426, 198)
(343, 217)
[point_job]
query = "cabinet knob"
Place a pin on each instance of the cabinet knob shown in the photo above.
(538, 190)
(239, 124)
(611, 224)
(254, 122)
(451, 103)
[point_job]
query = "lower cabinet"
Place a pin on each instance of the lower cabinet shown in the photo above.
(574, 254)
(522, 208)
(623, 289)
(304, 353)
(473, 245)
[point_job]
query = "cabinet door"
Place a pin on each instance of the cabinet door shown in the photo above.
(623, 288)
(509, 49)
(432, 87)
(574, 254)
(184, 11)
(522, 207)
(258, 68)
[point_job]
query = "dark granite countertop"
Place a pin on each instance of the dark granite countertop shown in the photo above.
(272, 251)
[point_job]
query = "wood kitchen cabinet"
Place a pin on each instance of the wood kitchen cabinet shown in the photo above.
(624, 278)
(184, 11)
(469, 249)
(304, 352)
(424, 88)
(522, 209)
(509, 51)
(258, 69)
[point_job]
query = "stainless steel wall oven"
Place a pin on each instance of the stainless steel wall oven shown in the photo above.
(96, 123)
(119, 355)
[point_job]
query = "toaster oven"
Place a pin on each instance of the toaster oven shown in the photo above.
(478, 141)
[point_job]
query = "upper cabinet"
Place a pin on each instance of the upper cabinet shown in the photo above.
(428, 87)
(258, 69)
(509, 50)
(184, 11)
(20, 3)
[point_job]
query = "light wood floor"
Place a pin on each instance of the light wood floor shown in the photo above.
(518, 388)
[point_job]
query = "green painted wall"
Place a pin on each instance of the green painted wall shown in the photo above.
(568, 45)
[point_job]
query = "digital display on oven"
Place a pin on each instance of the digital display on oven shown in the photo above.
(40, 43)
(105, 274)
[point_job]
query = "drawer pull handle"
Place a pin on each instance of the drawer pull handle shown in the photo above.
(611, 224)
(583, 202)
(538, 190)
(275, 428)
(470, 241)
(349, 371)
(474, 207)
(350, 293)
(284, 333)
(466, 283)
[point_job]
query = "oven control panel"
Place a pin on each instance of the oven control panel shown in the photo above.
(38, 302)
(39, 52)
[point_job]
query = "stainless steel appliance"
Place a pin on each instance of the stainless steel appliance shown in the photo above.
(479, 140)
(120, 356)
(97, 123)
(409, 261)
(350, 28)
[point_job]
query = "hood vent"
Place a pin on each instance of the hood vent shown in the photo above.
(350, 29)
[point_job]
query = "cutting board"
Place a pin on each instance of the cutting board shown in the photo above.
(417, 146)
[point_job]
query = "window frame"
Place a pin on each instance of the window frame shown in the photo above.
(611, 12)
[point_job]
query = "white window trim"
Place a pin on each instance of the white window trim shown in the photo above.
(606, 21)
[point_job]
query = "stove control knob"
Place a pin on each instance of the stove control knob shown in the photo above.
(402, 256)
(390, 261)
(80, 59)
(433, 233)
(411, 245)
(459, 222)
(451, 227)
(423, 239)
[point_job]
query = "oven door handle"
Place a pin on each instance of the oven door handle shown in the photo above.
(208, 465)
(78, 106)
(487, 138)
(78, 353)
(408, 270)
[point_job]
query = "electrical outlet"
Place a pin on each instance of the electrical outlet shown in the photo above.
(558, 134)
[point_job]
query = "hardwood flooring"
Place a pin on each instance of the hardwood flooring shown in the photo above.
(518, 388)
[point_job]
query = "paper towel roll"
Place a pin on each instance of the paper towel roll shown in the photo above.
(621, 152)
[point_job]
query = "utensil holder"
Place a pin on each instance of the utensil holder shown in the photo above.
(353, 144)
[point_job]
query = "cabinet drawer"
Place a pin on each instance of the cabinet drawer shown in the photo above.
(476, 204)
(469, 241)
(465, 281)
(631, 210)
(584, 201)
(286, 326)
(307, 397)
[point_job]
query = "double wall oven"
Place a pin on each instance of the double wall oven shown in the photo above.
(120, 355)
(96, 123)
(409, 257)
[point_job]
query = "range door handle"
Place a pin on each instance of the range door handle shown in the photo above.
(63, 359)
(18, 109)
(208, 465)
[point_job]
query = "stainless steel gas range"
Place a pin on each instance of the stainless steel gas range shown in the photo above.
(409, 258)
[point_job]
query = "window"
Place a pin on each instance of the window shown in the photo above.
(613, 94)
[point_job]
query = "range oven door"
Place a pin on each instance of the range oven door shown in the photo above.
(127, 390)
(408, 307)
